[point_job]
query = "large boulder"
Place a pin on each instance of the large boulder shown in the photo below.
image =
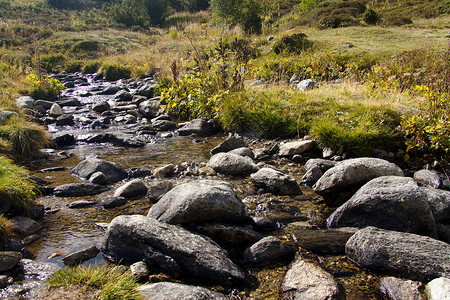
(24, 226)
(79, 189)
(170, 249)
(401, 254)
(388, 202)
(89, 166)
(229, 144)
(176, 291)
(307, 281)
(147, 90)
(275, 182)
(199, 201)
(353, 173)
(131, 189)
(296, 147)
(200, 127)
(232, 164)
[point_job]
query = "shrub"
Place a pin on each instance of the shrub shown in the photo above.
(295, 43)
(45, 87)
(397, 20)
(370, 16)
(250, 19)
(91, 67)
(52, 63)
(115, 71)
(73, 66)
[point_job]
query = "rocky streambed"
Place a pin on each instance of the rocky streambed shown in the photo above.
(229, 216)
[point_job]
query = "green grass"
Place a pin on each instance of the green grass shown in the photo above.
(6, 228)
(110, 284)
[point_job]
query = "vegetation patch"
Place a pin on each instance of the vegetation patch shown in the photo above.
(6, 228)
(115, 71)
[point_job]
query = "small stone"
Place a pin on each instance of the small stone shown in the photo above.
(163, 171)
(139, 270)
(80, 256)
(400, 289)
(8, 259)
(55, 111)
(112, 202)
(98, 178)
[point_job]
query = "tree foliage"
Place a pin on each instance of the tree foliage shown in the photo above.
(142, 13)
(246, 13)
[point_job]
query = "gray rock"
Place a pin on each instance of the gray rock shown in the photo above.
(443, 232)
(6, 115)
(55, 111)
(65, 120)
(79, 189)
(64, 139)
(101, 107)
(98, 178)
(8, 260)
(110, 90)
(296, 147)
(139, 270)
(401, 254)
(311, 177)
(150, 108)
(158, 189)
(123, 96)
(268, 250)
(327, 241)
(125, 108)
(275, 182)
(81, 204)
(112, 202)
(72, 102)
(229, 144)
(320, 163)
(199, 127)
(306, 85)
(307, 281)
(170, 248)
(428, 178)
(164, 125)
(353, 173)
(147, 90)
(78, 257)
(25, 102)
(164, 171)
(131, 189)
(243, 151)
(439, 201)
(232, 164)
(199, 201)
(388, 202)
(438, 289)
(118, 139)
(400, 289)
(176, 291)
(24, 226)
(90, 166)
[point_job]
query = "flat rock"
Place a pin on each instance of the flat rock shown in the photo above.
(81, 204)
(199, 127)
(89, 166)
(24, 226)
(80, 256)
(176, 291)
(296, 147)
(388, 202)
(79, 189)
(164, 125)
(131, 189)
(276, 182)
(401, 254)
(268, 250)
(400, 289)
(438, 289)
(112, 202)
(232, 164)
(308, 281)
(200, 201)
(170, 249)
(8, 260)
(353, 173)
(229, 144)
(120, 139)
(326, 241)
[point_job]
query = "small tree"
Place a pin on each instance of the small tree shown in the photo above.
(370, 16)
(251, 21)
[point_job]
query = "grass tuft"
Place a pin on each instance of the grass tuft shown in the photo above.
(6, 228)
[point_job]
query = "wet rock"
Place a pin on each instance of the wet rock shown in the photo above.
(31, 238)
(199, 201)
(315, 168)
(158, 189)
(118, 139)
(4, 281)
(352, 174)
(268, 250)
(229, 144)
(6, 115)
(137, 238)
(65, 120)
(64, 140)
(296, 147)
(232, 164)
(150, 108)
(438, 289)
(72, 102)
(263, 224)
(400, 289)
(139, 270)
(9, 260)
(307, 281)
(110, 90)
(98, 178)
(55, 111)
(199, 127)
(401, 254)
(112, 202)
(141, 172)
(25, 102)
(81, 204)
(79, 189)
(327, 241)
(164, 125)
(275, 182)
(439, 201)
(164, 171)
(243, 151)
(126, 108)
(131, 189)
(24, 226)
(311, 177)
(147, 90)
(90, 166)
(123, 96)
(80, 256)
(101, 107)
(428, 178)
(175, 291)
(388, 202)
